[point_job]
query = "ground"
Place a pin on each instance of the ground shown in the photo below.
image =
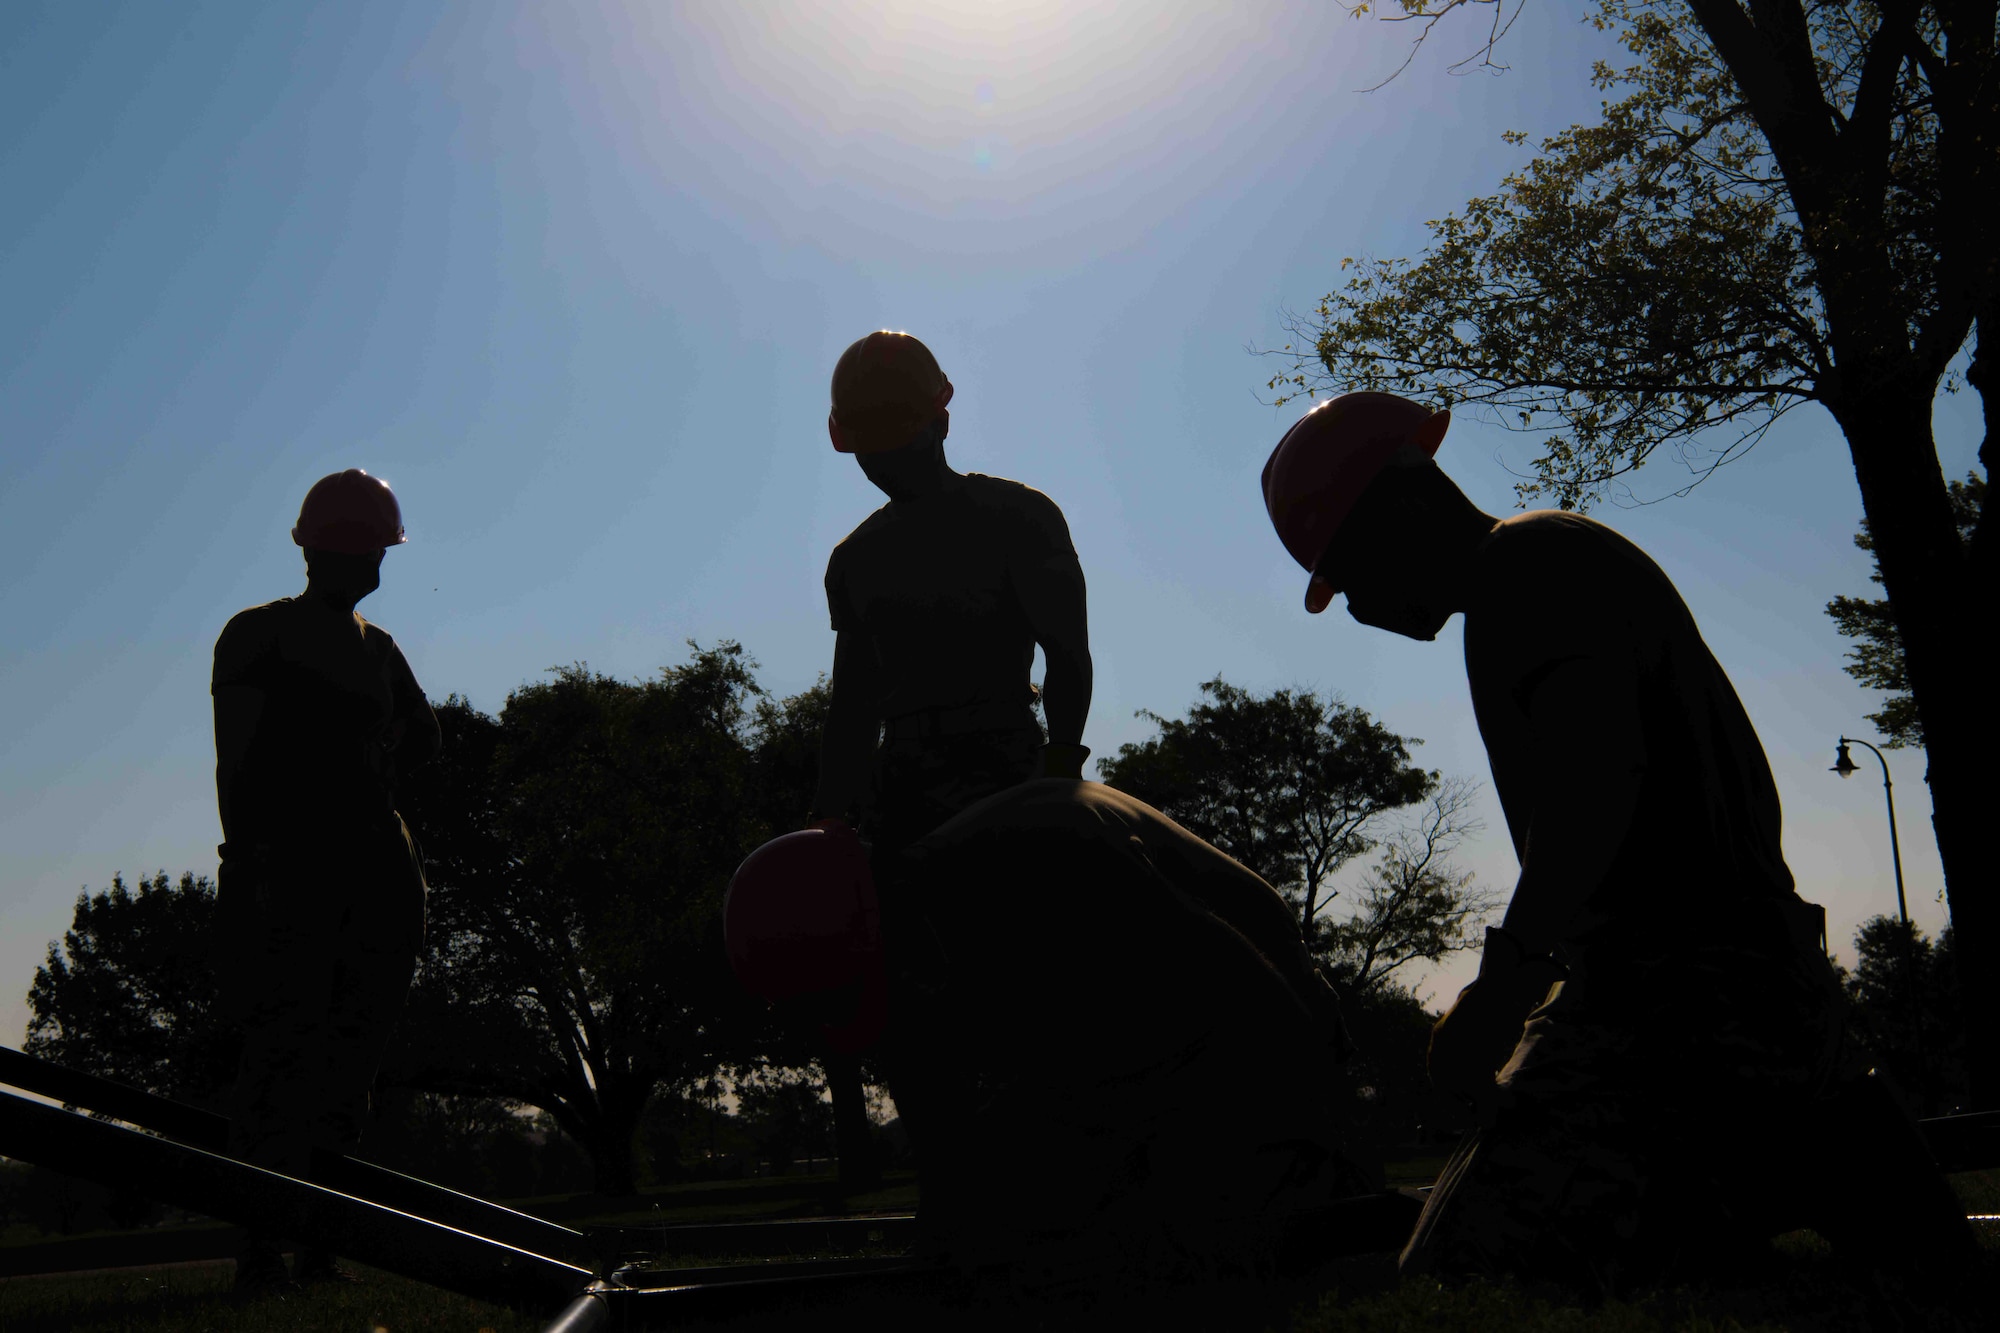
(1800, 1288)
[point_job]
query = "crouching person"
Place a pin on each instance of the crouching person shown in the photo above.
(1652, 1044)
(1112, 1051)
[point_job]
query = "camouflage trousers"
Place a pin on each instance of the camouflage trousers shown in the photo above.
(324, 942)
(1640, 1123)
(921, 783)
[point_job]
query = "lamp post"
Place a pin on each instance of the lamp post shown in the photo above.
(1846, 767)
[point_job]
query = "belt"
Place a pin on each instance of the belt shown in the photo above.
(929, 722)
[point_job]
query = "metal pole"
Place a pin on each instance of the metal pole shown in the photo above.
(1895, 845)
(1903, 910)
(237, 1192)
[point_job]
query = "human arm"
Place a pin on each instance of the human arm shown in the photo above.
(853, 726)
(1049, 580)
(236, 689)
(238, 710)
(415, 737)
(1587, 762)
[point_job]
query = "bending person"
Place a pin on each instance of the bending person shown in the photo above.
(1106, 1038)
(1652, 1043)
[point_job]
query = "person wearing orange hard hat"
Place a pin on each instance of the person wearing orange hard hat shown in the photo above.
(1106, 1039)
(320, 895)
(1651, 1048)
(938, 601)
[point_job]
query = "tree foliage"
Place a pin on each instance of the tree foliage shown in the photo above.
(1651, 280)
(1296, 787)
(1414, 903)
(1876, 659)
(1905, 997)
(131, 991)
(1290, 784)
(584, 839)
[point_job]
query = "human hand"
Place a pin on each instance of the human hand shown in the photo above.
(1474, 1038)
(1061, 761)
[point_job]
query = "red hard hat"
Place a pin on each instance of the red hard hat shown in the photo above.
(1328, 457)
(801, 918)
(886, 388)
(351, 513)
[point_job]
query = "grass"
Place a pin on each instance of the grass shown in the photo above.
(196, 1298)
(1801, 1290)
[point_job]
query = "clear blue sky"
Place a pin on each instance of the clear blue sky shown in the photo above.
(573, 277)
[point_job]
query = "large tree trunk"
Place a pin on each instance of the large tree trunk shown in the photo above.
(854, 1140)
(609, 1146)
(1944, 609)
(613, 1129)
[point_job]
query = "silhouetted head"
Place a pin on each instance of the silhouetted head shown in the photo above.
(1353, 495)
(343, 576)
(1402, 555)
(887, 387)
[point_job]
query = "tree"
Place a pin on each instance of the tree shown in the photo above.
(1905, 1011)
(132, 992)
(1876, 660)
(1783, 204)
(1414, 904)
(583, 842)
(786, 1112)
(1288, 783)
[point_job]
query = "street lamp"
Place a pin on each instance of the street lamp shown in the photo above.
(1845, 766)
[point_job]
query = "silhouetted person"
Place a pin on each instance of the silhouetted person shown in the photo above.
(937, 601)
(321, 894)
(1106, 1038)
(1652, 1043)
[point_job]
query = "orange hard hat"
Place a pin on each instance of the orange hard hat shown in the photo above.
(349, 512)
(801, 918)
(1328, 457)
(886, 388)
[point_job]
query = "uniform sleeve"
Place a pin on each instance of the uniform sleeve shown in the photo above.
(1044, 557)
(410, 703)
(243, 652)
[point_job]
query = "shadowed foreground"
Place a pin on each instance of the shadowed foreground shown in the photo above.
(1800, 1287)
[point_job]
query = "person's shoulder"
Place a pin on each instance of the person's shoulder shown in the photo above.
(1554, 583)
(1006, 493)
(1546, 549)
(1563, 533)
(866, 528)
(375, 636)
(1018, 504)
(258, 622)
(250, 634)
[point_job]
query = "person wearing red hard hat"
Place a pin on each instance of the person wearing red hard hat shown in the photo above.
(1651, 1048)
(1105, 1037)
(938, 601)
(320, 897)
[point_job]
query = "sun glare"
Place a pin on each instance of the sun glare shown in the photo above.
(932, 102)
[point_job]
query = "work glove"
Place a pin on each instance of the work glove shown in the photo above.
(1061, 761)
(1482, 1027)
